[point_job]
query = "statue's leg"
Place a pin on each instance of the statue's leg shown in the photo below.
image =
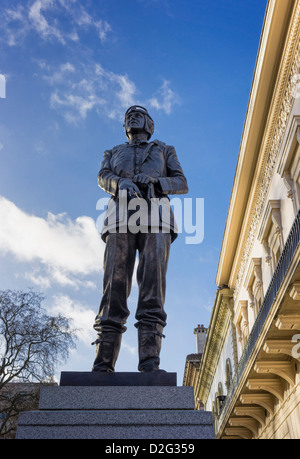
(119, 259)
(149, 344)
(107, 351)
(151, 277)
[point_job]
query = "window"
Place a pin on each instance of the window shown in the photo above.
(254, 285)
(270, 234)
(241, 323)
(289, 164)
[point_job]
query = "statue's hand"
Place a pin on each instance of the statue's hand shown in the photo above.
(144, 179)
(132, 188)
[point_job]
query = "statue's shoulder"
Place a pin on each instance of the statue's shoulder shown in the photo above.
(120, 147)
(162, 145)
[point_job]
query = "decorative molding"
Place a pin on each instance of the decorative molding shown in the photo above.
(214, 343)
(241, 321)
(248, 423)
(254, 272)
(241, 312)
(279, 346)
(267, 401)
(295, 291)
(255, 412)
(278, 121)
(238, 432)
(267, 252)
(292, 138)
(284, 369)
(289, 184)
(288, 322)
(272, 215)
(254, 282)
(274, 386)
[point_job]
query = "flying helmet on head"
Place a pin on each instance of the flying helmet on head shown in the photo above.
(149, 123)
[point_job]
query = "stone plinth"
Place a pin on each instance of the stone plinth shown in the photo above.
(96, 378)
(115, 412)
(116, 398)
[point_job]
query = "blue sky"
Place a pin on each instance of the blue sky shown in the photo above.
(72, 68)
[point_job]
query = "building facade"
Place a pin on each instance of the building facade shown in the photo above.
(193, 363)
(14, 398)
(249, 375)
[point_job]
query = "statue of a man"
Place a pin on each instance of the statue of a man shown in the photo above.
(146, 172)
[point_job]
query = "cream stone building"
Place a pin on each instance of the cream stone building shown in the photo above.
(249, 375)
(193, 362)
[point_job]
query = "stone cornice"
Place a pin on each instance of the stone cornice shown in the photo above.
(266, 92)
(282, 103)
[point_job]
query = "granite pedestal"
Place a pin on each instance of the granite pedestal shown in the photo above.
(116, 406)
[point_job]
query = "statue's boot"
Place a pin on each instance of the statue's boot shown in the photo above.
(149, 341)
(107, 351)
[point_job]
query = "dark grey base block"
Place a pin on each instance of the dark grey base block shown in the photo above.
(116, 398)
(95, 378)
(116, 425)
(118, 431)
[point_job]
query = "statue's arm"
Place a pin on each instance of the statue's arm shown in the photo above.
(107, 180)
(112, 183)
(175, 182)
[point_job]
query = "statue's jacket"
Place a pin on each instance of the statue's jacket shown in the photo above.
(155, 159)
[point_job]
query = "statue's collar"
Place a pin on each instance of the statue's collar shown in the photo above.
(137, 142)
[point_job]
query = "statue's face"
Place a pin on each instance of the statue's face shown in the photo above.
(134, 121)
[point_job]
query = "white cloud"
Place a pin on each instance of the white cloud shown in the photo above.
(103, 28)
(131, 349)
(15, 25)
(39, 22)
(16, 14)
(60, 75)
(56, 248)
(40, 148)
(35, 277)
(80, 89)
(53, 20)
(84, 19)
(75, 107)
(165, 98)
(82, 85)
(127, 91)
(82, 316)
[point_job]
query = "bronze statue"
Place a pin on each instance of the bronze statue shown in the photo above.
(145, 172)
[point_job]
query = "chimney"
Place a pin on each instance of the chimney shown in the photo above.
(200, 333)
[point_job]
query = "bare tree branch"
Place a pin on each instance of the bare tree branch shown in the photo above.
(31, 344)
